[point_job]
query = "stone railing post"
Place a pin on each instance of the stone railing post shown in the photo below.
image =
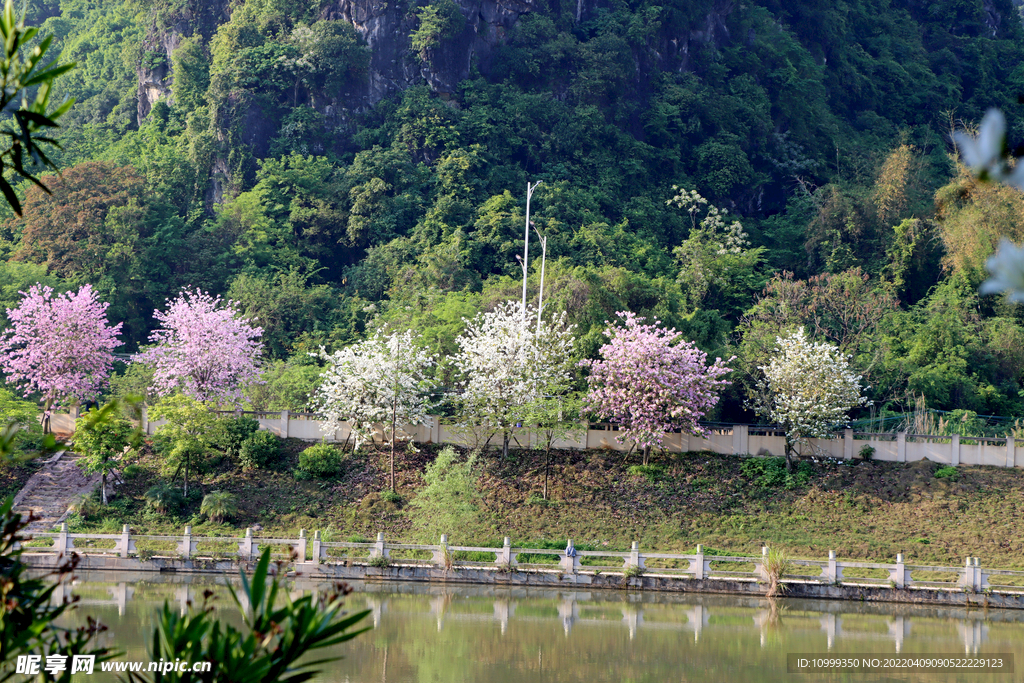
(901, 447)
(318, 548)
(635, 559)
(300, 547)
(848, 444)
(144, 420)
(954, 450)
(761, 566)
(1011, 454)
(570, 564)
(697, 566)
(440, 552)
(505, 556)
(980, 577)
(187, 547)
(126, 545)
(64, 543)
(247, 548)
(899, 574)
(380, 549)
(285, 417)
(832, 573)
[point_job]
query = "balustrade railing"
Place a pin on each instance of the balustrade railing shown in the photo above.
(971, 577)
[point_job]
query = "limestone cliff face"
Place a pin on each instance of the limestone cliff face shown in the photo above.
(675, 51)
(386, 26)
(154, 72)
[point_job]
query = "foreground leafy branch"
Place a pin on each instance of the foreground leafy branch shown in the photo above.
(21, 69)
(274, 638)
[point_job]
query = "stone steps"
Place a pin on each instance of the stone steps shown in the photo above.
(49, 492)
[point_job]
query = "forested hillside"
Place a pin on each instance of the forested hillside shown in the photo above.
(336, 166)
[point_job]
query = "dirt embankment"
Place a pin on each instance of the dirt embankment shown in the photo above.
(866, 510)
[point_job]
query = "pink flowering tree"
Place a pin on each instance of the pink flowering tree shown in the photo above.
(203, 348)
(59, 346)
(649, 381)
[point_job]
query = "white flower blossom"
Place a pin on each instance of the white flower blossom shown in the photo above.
(381, 380)
(506, 361)
(1007, 269)
(986, 153)
(807, 389)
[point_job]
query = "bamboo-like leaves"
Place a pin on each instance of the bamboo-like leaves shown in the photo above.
(275, 637)
(21, 71)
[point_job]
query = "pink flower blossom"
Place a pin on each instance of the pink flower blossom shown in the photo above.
(203, 348)
(59, 345)
(649, 381)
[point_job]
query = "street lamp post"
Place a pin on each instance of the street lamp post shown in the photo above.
(526, 240)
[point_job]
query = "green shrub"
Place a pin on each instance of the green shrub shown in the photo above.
(380, 562)
(770, 473)
(131, 472)
(163, 443)
(235, 430)
(259, 450)
(391, 497)
(164, 498)
(320, 460)
(219, 506)
(652, 473)
(633, 571)
(867, 452)
(947, 472)
(537, 499)
(450, 501)
(439, 20)
(86, 507)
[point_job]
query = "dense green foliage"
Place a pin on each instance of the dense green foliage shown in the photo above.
(256, 171)
(320, 460)
(259, 450)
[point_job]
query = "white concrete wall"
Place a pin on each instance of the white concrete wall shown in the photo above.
(734, 440)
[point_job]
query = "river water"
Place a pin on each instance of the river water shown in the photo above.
(451, 633)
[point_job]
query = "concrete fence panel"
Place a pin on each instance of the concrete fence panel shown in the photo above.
(759, 443)
(933, 450)
(725, 440)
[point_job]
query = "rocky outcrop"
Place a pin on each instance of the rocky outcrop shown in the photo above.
(386, 26)
(154, 71)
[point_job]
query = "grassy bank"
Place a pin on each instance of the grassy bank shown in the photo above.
(867, 510)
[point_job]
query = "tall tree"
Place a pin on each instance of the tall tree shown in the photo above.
(808, 389)
(59, 345)
(94, 224)
(650, 381)
(382, 380)
(203, 348)
(507, 359)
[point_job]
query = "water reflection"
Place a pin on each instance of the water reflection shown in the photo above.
(426, 632)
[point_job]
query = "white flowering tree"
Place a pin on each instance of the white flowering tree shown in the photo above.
(381, 380)
(508, 361)
(807, 389)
